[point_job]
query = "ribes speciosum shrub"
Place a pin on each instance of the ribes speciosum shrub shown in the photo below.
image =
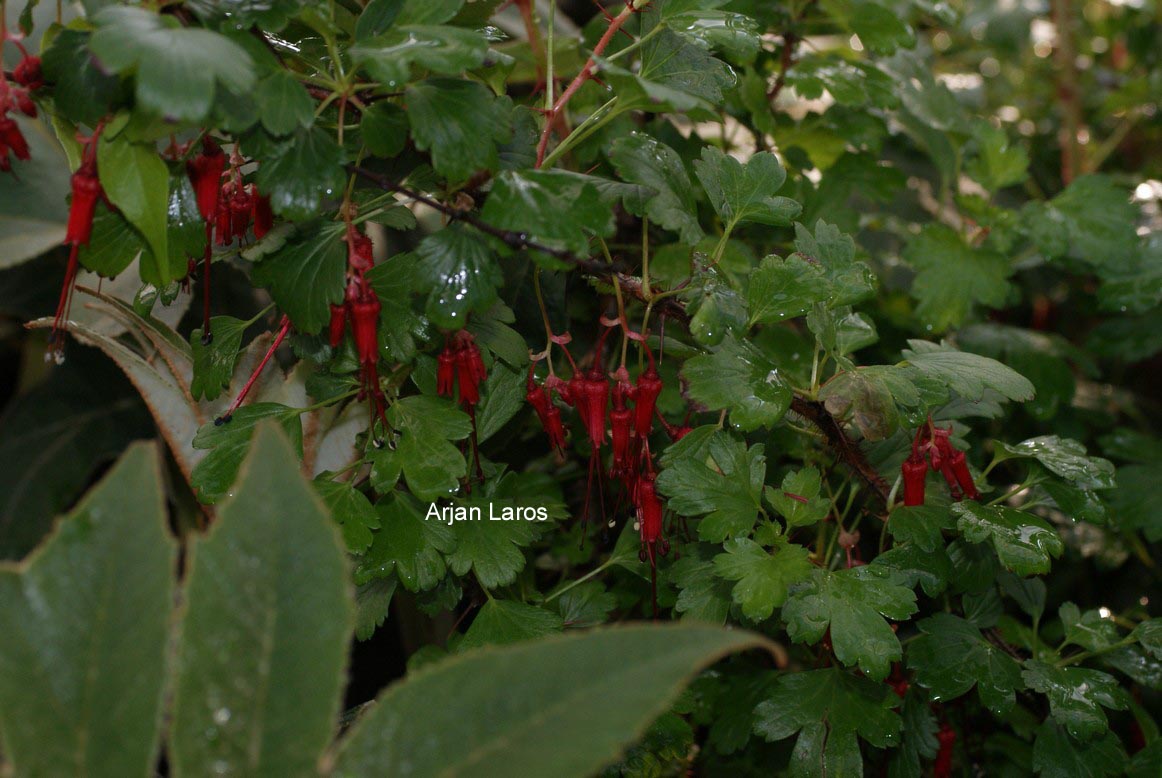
(835, 322)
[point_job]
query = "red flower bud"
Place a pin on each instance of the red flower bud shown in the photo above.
(222, 220)
(365, 326)
(649, 386)
(24, 103)
(960, 470)
(446, 373)
(28, 74)
(241, 208)
(205, 172)
(914, 471)
(86, 192)
(469, 372)
(263, 216)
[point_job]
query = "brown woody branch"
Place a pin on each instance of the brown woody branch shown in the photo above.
(813, 411)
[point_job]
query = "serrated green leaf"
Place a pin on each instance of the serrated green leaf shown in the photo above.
(431, 465)
(503, 622)
(177, 68)
(267, 595)
(1056, 755)
(1089, 629)
(554, 207)
(881, 30)
(82, 92)
(283, 103)
(853, 604)
(384, 129)
(462, 272)
(441, 49)
(372, 601)
(587, 605)
(997, 164)
(491, 549)
(408, 544)
(135, 180)
(781, 289)
(642, 159)
(299, 173)
(969, 375)
(931, 570)
(830, 709)
(214, 362)
(1091, 220)
(84, 623)
(1076, 696)
(745, 193)
(307, 275)
(740, 379)
(460, 123)
(1065, 458)
(762, 577)
(351, 509)
(229, 441)
(727, 487)
(950, 656)
(952, 277)
(1024, 543)
(863, 396)
(921, 525)
(702, 595)
(798, 499)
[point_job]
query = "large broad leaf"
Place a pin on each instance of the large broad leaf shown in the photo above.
(84, 630)
(745, 193)
(830, 709)
(460, 123)
(552, 206)
(306, 276)
(952, 277)
(950, 656)
(641, 159)
(1024, 543)
(542, 708)
(739, 378)
(177, 68)
(263, 649)
(853, 604)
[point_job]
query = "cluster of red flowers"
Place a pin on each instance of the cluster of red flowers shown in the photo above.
(592, 393)
(460, 364)
(27, 75)
(228, 207)
(361, 308)
(935, 442)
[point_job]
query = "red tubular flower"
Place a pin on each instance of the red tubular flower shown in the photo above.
(555, 428)
(942, 766)
(205, 172)
(595, 396)
(338, 324)
(650, 512)
(915, 471)
(86, 192)
(222, 220)
(619, 425)
(468, 374)
(28, 74)
(649, 386)
(959, 466)
(549, 415)
(11, 137)
(263, 216)
(446, 373)
(241, 210)
(365, 325)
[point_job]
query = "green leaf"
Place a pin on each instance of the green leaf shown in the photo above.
(82, 92)
(740, 379)
(283, 103)
(462, 272)
(1149, 634)
(727, 486)
(431, 465)
(268, 15)
(834, 251)
(307, 275)
(809, 507)
(372, 601)
(997, 164)
(1137, 502)
(1134, 285)
(548, 687)
(214, 363)
(716, 309)
(376, 17)
(428, 11)
(213, 476)
(781, 289)
(881, 30)
(503, 622)
(33, 208)
(952, 277)
(1056, 755)
(1092, 220)
(922, 525)
(950, 656)
(350, 508)
(502, 396)
(830, 709)
(733, 34)
(299, 173)
(177, 68)
(1065, 458)
(460, 123)
(1076, 696)
(266, 597)
(384, 129)
(853, 604)
(441, 49)
(136, 181)
(586, 605)
(1090, 630)
(866, 398)
(491, 550)
(763, 578)
(408, 544)
(644, 160)
(931, 570)
(745, 193)
(969, 375)
(84, 628)
(1024, 543)
(702, 595)
(555, 207)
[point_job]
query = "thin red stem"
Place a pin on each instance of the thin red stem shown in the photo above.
(282, 332)
(207, 335)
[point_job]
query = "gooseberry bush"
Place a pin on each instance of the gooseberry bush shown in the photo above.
(814, 337)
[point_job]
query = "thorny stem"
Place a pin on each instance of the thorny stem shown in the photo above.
(586, 71)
